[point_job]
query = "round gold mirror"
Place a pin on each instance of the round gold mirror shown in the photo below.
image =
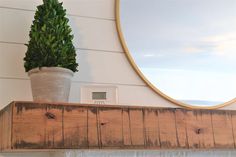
(184, 50)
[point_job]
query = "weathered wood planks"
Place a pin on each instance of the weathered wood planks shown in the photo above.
(5, 128)
(29, 125)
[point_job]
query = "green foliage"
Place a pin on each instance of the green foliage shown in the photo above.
(50, 42)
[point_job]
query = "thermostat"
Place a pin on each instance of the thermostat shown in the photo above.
(99, 95)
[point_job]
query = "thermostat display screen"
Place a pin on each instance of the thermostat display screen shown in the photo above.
(99, 95)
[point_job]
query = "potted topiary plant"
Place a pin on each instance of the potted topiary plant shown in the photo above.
(50, 59)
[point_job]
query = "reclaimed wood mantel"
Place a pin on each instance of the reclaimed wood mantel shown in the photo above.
(34, 126)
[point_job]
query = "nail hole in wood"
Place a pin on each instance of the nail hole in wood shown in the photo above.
(50, 115)
(198, 131)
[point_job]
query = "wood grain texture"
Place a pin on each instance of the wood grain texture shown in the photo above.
(37, 126)
(126, 128)
(207, 130)
(193, 123)
(233, 120)
(6, 127)
(29, 125)
(111, 127)
(167, 125)
(181, 118)
(151, 126)
(93, 129)
(136, 127)
(222, 129)
(75, 127)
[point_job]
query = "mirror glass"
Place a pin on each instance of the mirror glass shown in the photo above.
(185, 48)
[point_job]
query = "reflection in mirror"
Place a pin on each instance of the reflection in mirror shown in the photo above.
(187, 49)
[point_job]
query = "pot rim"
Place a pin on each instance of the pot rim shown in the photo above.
(50, 69)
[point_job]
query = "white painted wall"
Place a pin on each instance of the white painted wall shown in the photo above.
(101, 58)
(100, 54)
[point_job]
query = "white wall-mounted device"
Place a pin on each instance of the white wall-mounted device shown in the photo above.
(99, 94)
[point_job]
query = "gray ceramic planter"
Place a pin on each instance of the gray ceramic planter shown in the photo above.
(50, 84)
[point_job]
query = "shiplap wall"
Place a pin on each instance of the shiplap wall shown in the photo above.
(101, 58)
(100, 54)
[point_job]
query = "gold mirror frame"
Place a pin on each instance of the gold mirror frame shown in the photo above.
(141, 75)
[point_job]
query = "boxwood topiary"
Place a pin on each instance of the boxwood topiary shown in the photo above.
(50, 43)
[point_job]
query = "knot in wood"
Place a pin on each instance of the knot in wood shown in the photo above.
(103, 123)
(50, 115)
(198, 131)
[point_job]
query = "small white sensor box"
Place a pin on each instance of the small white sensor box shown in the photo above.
(99, 94)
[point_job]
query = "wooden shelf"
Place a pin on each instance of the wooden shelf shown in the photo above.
(38, 126)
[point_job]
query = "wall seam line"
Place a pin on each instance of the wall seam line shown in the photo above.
(71, 15)
(73, 81)
(88, 49)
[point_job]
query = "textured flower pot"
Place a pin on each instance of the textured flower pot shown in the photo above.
(50, 84)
